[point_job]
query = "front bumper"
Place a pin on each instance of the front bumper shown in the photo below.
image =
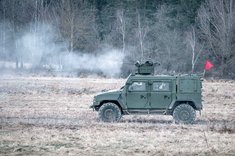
(94, 105)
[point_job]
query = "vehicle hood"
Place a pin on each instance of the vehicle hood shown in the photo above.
(108, 95)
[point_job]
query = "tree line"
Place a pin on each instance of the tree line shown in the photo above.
(180, 34)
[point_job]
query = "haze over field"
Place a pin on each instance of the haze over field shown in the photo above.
(39, 48)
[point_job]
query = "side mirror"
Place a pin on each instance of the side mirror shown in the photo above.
(130, 88)
(128, 83)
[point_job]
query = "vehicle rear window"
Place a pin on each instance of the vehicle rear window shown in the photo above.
(187, 86)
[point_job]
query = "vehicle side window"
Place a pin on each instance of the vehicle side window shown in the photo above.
(137, 86)
(161, 86)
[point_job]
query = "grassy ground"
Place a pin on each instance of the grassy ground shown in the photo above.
(51, 116)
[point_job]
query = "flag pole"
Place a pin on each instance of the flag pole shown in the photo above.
(204, 72)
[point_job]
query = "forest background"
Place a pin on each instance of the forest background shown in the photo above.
(106, 37)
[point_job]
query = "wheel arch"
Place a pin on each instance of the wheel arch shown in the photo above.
(107, 101)
(189, 102)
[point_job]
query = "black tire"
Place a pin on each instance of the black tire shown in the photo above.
(184, 113)
(110, 112)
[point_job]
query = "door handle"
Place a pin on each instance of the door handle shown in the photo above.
(165, 96)
(142, 97)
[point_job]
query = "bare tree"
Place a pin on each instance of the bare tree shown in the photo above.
(141, 33)
(195, 47)
(216, 19)
(76, 22)
(18, 14)
(122, 27)
(168, 41)
(3, 29)
(16, 20)
(68, 13)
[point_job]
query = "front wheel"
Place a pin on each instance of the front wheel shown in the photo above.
(110, 112)
(184, 113)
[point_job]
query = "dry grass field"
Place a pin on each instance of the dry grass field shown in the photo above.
(51, 116)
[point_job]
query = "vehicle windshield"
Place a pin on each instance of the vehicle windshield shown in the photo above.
(125, 81)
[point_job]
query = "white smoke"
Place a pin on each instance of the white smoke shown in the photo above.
(109, 62)
(38, 45)
(40, 49)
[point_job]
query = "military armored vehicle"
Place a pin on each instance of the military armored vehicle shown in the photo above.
(146, 93)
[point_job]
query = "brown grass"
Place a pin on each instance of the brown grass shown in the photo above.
(51, 116)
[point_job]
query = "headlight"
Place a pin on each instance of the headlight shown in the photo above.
(95, 101)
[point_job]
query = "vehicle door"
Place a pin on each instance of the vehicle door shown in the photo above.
(160, 95)
(137, 94)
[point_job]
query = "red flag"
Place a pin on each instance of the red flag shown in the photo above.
(208, 65)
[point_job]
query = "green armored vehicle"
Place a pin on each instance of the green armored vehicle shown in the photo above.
(144, 93)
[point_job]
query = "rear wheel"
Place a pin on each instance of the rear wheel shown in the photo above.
(110, 112)
(184, 113)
